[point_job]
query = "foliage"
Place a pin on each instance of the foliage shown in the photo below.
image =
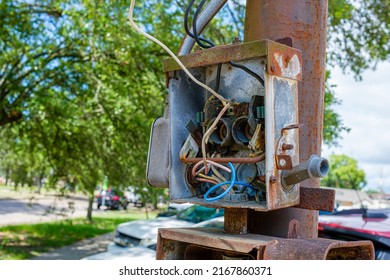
(358, 38)
(79, 88)
(333, 124)
(344, 173)
(358, 34)
(88, 110)
(25, 241)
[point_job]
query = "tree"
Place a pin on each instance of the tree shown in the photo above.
(79, 88)
(344, 173)
(89, 116)
(359, 34)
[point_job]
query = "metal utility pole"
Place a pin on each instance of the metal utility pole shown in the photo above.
(304, 24)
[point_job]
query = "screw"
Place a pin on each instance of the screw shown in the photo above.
(287, 147)
(272, 179)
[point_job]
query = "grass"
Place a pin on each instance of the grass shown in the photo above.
(25, 241)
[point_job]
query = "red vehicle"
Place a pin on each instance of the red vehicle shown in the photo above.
(111, 199)
(359, 224)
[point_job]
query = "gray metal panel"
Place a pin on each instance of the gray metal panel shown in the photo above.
(186, 98)
(285, 104)
(158, 155)
(235, 83)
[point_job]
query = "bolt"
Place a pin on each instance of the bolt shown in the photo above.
(272, 179)
(287, 147)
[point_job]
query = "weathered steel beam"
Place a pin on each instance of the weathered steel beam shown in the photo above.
(206, 244)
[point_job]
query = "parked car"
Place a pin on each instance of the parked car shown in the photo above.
(111, 199)
(141, 232)
(359, 224)
(146, 249)
(133, 198)
(173, 209)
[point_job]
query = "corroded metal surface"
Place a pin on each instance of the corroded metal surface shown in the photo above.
(219, 54)
(305, 22)
(318, 249)
(282, 61)
(192, 243)
(236, 221)
(226, 159)
(317, 199)
(211, 238)
(293, 229)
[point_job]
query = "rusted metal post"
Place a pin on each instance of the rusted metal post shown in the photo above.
(236, 221)
(304, 22)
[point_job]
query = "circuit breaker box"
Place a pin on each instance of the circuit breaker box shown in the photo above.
(257, 138)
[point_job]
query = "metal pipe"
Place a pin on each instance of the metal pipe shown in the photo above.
(204, 18)
(315, 167)
(225, 160)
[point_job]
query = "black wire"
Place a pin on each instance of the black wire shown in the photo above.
(211, 44)
(250, 72)
(195, 19)
(218, 78)
(199, 40)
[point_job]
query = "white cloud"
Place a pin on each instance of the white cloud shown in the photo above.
(366, 110)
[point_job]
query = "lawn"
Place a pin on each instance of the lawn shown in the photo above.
(25, 241)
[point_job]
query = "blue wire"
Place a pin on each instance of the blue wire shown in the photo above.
(213, 188)
(241, 183)
(245, 184)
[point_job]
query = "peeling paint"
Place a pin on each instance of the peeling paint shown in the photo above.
(293, 67)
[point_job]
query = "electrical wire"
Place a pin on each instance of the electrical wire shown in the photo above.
(211, 44)
(206, 177)
(250, 72)
(194, 172)
(199, 39)
(218, 78)
(207, 134)
(217, 174)
(150, 37)
(186, 28)
(221, 185)
(213, 188)
(194, 27)
(245, 184)
(206, 180)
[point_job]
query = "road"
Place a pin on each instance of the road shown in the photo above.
(26, 208)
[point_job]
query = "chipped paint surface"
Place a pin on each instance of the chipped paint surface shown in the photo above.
(290, 68)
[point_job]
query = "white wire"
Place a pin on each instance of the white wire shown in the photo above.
(132, 23)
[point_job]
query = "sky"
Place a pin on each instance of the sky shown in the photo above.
(365, 109)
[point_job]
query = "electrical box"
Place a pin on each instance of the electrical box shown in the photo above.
(258, 135)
